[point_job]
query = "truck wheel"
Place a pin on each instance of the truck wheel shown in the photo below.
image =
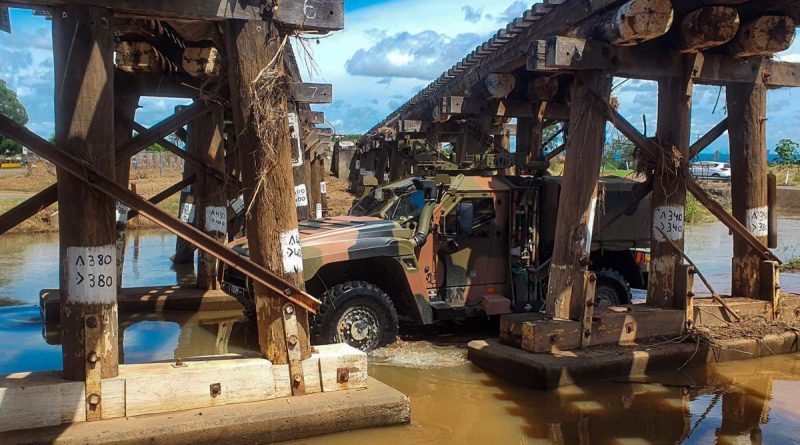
(612, 289)
(357, 313)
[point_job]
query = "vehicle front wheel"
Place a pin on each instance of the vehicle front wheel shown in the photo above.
(357, 313)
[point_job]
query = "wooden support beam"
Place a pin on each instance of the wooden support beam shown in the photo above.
(84, 117)
(312, 117)
(272, 227)
(708, 27)
(28, 208)
(707, 139)
(190, 158)
(747, 115)
(187, 208)
(126, 102)
(166, 193)
(630, 23)
(502, 108)
(578, 199)
(210, 194)
(161, 130)
(312, 93)
(669, 189)
(647, 62)
(308, 15)
(739, 230)
(764, 36)
(102, 184)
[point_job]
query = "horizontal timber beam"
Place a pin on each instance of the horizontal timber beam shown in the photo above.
(312, 93)
(643, 62)
(306, 15)
(312, 117)
(87, 173)
(504, 108)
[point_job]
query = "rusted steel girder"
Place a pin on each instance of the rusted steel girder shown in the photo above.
(86, 173)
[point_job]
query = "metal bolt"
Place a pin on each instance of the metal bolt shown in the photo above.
(287, 292)
(289, 309)
(587, 333)
(215, 389)
(292, 340)
(92, 357)
(93, 399)
(91, 322)
(297, 379)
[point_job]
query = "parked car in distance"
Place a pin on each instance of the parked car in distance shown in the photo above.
(719, 171)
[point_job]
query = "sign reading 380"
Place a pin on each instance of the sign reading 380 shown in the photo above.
(91, 274)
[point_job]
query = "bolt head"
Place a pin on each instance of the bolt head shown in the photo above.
(92, 357)
(91, 322)
(94, 399)
(289, 309)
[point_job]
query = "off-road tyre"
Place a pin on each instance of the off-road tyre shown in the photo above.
(357, 313)
(612, 289)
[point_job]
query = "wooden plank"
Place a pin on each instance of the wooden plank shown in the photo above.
(707, 139)
(307, 15)
(511, 327)
(5, 20)
(312, 93)
(312, 117)
(769, 280)
(684, 288)
(92, 344)
(162, 387)
(610, 326)
(585, 289)
(645, 62)
(502, 108)
(341, 367)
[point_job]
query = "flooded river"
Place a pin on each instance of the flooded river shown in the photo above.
(453, 402)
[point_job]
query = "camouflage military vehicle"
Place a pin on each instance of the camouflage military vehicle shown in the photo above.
(425, 251)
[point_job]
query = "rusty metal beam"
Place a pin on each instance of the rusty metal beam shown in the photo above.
(188, 157)
(86, 173)
(166, 193)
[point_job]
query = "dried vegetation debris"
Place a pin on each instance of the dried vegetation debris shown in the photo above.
(749, 328)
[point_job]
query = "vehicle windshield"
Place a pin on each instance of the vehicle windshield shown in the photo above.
(370, 205)
(407, 208)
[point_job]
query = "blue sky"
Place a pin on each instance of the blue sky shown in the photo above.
(389, 50)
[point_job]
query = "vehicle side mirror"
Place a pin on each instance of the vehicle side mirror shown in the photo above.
(465, 215)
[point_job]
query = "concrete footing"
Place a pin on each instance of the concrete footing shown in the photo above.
(552, 370)
(262, 422)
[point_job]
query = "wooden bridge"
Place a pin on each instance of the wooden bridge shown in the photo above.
(555, 65)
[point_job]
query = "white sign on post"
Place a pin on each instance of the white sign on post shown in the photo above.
(122, 213)
(238, 204)
(758, 221)
(294, 132)
(91, 274)
(670, 220)
(358, 164)
(319, 210)
(300, 196)
(216, 219)
(323, 187)
(187, 213)
(292, 252)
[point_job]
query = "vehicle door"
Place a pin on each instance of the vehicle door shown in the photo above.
(471, 236)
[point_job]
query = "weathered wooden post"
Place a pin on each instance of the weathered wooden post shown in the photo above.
(126, 101)
(83, 38)
(395, 162)
(382, 169)
(669, 189)
(187, 211)
(205, 135)
(578, 200)
(747, 117)
(266, 157)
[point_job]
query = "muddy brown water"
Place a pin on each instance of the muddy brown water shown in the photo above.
(453, 402)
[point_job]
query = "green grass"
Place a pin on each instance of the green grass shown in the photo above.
(792, 265)
(696, 213)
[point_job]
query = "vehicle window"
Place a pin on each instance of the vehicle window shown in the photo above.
(483, 213)
(726, 165)
(408, 207)
(369, 206)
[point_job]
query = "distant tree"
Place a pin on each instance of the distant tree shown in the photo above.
(787, 151)
(619, 153)
(12, 108)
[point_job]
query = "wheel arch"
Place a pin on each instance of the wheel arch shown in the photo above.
(385, 272)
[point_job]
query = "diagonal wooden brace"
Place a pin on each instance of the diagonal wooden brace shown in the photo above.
(86, 173)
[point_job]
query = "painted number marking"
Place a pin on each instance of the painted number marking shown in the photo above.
(292, 252)
(323, 187)
(670, 219)
(91, 274)
(319, 211)
(216, 219)
(300, 196)
(758, 221)
(310, 11)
